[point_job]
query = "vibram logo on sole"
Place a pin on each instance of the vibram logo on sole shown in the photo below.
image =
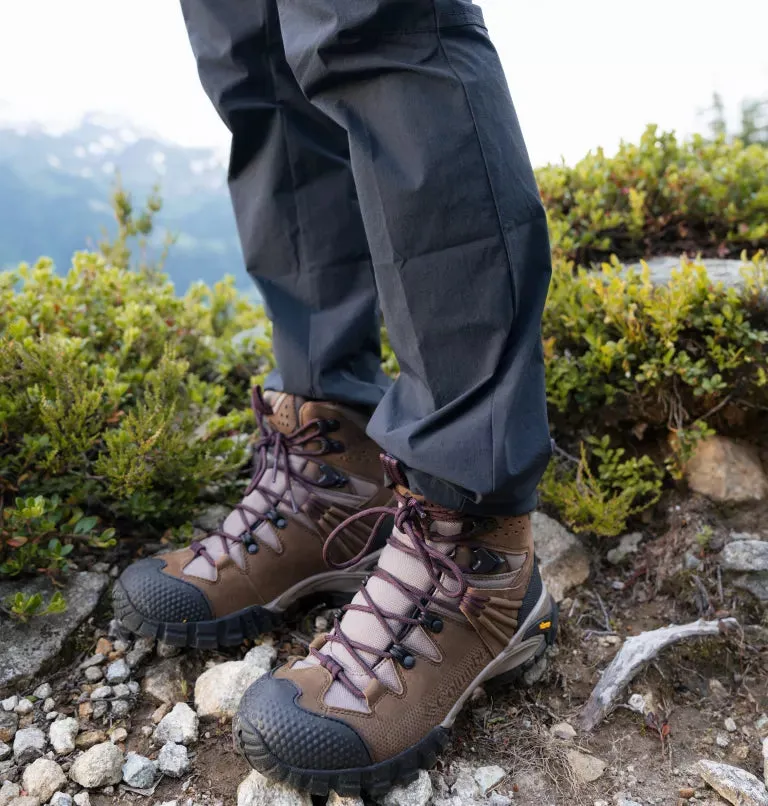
(545, 625)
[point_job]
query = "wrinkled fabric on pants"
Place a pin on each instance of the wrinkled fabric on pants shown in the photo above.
(377, 162)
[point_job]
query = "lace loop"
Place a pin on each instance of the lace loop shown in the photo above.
(273, 451)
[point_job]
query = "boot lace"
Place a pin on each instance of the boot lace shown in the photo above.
(412, 517)
(273, 452)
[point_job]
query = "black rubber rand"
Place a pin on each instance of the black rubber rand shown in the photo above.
(229, 630)
(375, 779)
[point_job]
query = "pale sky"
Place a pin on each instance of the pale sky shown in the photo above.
(582, 74)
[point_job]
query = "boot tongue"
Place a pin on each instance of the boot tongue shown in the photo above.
(285, 416)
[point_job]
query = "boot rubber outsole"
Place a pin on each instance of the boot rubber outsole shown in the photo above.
(336, 588)
(538, 633)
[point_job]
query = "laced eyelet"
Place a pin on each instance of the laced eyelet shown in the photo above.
(326, 426)
(402, 656)
(329, 477)
(276, 519)
(251, 546)
(432, 622)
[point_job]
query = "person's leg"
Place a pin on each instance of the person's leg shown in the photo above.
(457, 233)
(461, 255)
(304, 242)
(295, 203)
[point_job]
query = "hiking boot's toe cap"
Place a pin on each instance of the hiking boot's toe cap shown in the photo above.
(157, 596)
(275, 727)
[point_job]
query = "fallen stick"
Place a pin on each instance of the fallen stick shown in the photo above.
(633, 655)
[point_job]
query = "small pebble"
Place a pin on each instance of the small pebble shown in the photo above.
(10, 703)
(722, 740)
(51, 715)
(103, 647)
(121, 691)
(82, 799)
(49, 705)
(61, 799)
(120, 709)
(25, 706)
(118, 735)
(120, 646)
(5, 751)
(117, 672)
(94, 660)
(133, 687)
(43, 691)
(730, 725)
(100, 709)
(166, 650)
(101, 693)
(93, 674)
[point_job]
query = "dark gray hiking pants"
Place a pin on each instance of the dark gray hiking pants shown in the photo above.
(377, 160)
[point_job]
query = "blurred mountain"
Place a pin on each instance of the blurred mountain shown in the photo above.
(55, 190)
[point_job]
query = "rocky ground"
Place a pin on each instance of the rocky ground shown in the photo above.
(621, 712)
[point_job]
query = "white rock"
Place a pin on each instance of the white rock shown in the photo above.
(735, 785)
(118, 672)
(256, 790)
(28, 744)
(173, 760)
(488, 777)
(8, 792)
(334, 799)
(25, 800)
(10, 703)
(628, 544)
(179, 726)
(218, 690)
(586, 768)
(564, 561)
(745, 555)
(164, 681)
(721, 740)
(730, 724)
(42, 778)
(101, 693)
(563, 730)
(101, 765)
(765, 761)
(121, 691)
(637, 703)
(139, 771)
(497, 799)
(417, 793)
(464, 786)
(94, 660)
(82, 799)
(93, 674)
(61, 799)
(48, 705)
(42, 692)
(725, 470)
(25, 706)
(62, 735)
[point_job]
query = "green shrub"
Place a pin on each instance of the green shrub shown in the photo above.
(120, 402)
(659, 196)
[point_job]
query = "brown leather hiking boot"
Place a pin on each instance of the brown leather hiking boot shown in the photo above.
(454, 602)
(315, 467)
